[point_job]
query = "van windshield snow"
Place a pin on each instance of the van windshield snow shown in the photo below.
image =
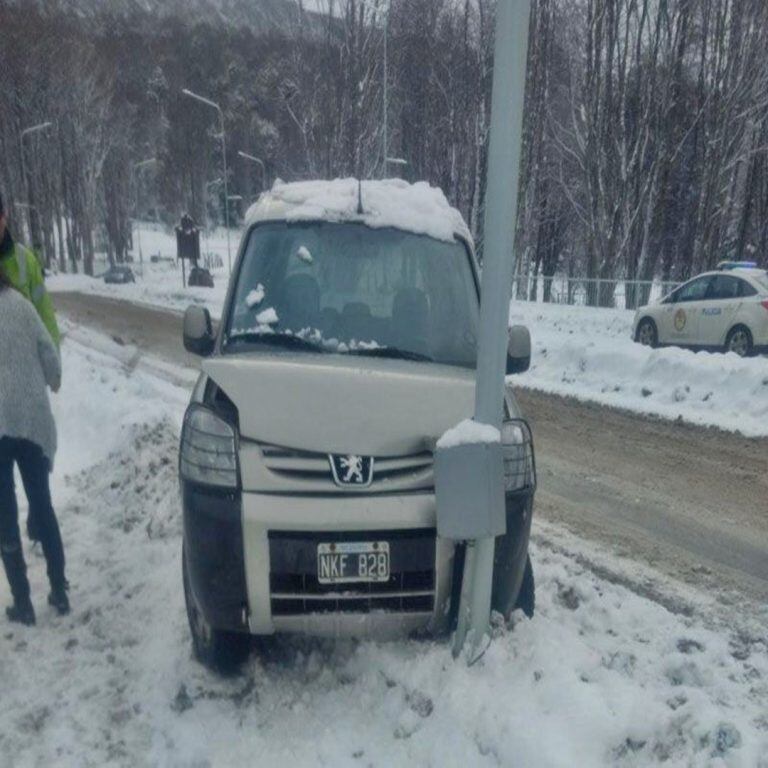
(351, 289)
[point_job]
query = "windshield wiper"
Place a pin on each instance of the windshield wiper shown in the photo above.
(393, 353)
(287, 340)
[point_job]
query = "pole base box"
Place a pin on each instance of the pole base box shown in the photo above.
(469, 489)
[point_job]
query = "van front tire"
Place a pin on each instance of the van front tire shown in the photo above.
(220, 651)
(526, 600)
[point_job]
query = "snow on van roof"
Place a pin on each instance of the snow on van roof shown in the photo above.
(418, 208)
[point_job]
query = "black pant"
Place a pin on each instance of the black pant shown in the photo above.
(34, 469)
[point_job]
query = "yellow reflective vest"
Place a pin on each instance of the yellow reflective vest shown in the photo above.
(23, 270)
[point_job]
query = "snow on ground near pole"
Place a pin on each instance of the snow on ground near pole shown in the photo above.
(600, 676)
(588, 353)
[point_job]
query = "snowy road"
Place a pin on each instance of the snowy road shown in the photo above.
(689, 501)
(602, 676)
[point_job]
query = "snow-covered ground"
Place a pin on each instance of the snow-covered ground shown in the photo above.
(601, 675)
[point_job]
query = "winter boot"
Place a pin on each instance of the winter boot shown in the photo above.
(58, 598)
(21, 613)
(16, 571)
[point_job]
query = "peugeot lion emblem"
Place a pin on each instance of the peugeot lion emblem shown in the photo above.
(352, 471)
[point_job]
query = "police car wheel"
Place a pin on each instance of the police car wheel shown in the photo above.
(647, 335)
(739, 341)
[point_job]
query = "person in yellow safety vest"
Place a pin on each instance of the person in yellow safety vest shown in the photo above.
(22, 270)
(21, 267)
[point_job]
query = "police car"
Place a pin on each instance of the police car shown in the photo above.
(722, 310)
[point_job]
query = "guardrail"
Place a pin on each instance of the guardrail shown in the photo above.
(590, 292)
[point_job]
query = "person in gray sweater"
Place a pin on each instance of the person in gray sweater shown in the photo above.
(30, 364)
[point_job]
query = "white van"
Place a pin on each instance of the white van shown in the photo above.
(346, 348)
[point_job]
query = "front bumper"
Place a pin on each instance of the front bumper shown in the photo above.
(272, 525)
(253, 568)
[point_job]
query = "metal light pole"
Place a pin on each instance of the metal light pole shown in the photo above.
(27, 132)
(385, 153)
(259, 162)
(214, 105)
(510, 61)
(138, 166)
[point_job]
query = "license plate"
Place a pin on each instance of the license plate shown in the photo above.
(353, 561)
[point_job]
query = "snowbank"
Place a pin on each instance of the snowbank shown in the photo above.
(418, 208)
(600, 676)
(588, 354)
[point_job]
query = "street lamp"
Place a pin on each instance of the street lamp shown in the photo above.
(259, 162)
(399, 162)
(39, 128)
(137, 167)
(214, 105)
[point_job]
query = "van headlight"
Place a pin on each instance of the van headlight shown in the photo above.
(519, 461)
(208, 449)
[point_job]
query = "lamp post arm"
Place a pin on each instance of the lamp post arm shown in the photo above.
(258, 161)
(36, 128)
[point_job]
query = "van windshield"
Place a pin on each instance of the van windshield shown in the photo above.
(351, 289)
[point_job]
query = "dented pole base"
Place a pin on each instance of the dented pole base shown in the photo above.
(462, 627)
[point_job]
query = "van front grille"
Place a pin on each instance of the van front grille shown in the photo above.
(390, 473)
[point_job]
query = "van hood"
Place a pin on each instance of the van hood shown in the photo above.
(362, 406)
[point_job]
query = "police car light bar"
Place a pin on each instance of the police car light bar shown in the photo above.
(737, 265)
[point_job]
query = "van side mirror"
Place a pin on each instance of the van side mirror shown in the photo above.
(518, 350)
(199, 337)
